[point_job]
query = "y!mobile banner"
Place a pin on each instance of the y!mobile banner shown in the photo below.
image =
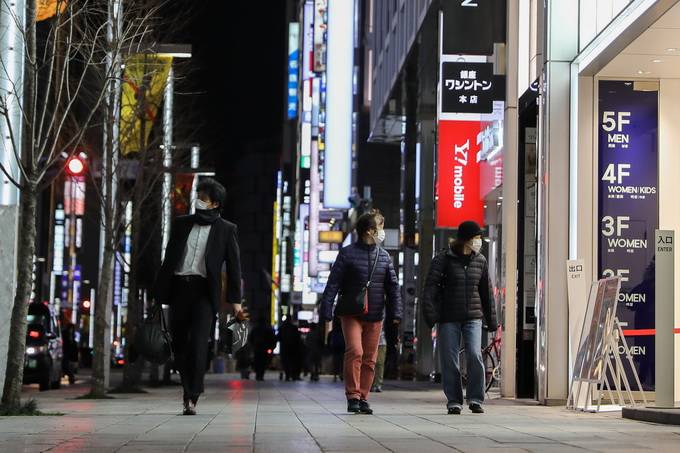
(458, 191)
(628, 209)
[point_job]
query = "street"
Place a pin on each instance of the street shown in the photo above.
(274, 416)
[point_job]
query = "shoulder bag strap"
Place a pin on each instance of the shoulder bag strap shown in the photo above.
(375, 263)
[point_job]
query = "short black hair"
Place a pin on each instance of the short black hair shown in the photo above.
(213, 189)
(369, 221)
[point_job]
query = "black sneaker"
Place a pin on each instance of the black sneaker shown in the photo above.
(353, 405)
(454, 410)
(189, 408)
(476, 408)
(365, 408)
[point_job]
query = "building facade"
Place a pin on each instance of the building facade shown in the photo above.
(582, 80)
(548, 122)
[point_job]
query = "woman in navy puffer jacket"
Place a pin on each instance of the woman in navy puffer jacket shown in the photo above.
(349, 275)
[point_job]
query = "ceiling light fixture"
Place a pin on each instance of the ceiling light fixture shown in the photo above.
(672, 49)
(657, 61)
(641, 72)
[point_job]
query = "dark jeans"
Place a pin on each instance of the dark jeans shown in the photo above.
(191, 320)
(449, 336)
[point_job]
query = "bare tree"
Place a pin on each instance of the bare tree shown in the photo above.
(133, 183)
(143, 198)
(67, 80)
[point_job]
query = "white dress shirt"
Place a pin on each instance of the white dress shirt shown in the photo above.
(193, 259)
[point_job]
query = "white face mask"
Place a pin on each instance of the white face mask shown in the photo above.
(202, 205)
(380, 237)
(476, 245)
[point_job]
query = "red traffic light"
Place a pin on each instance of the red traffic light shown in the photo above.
(75, 166)
(86, 304)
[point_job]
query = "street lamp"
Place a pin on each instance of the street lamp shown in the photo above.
(174, 51)
(75, 168)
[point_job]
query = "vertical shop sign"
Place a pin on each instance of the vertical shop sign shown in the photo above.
(664, 343)
(458, 187)
(467, 87)
(308, 40)
(293, 68)
(628, 209)
(320, 8)
(468, 27)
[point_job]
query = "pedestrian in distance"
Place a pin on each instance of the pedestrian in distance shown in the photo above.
(364, 278)
(291, 344)
(70, 348)
(263, 341)
(314, 348)
(244, 361)
(380, 364)
(458, 298)
(336, 345)
(190, 282)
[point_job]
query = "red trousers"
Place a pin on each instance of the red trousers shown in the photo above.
(361, 351)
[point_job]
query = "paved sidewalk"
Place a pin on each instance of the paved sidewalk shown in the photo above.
(273, 416)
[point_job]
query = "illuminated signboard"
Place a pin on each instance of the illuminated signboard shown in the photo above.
(286, 225)
(293, 68)
(59, 234)
(331, 237)
(320, 9)
(307, 40)
(339, 106)
(458, 187)
(467, 87)
(74, 195)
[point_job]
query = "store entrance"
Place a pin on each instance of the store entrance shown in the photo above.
(526, 244)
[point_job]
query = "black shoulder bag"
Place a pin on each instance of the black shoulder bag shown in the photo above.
(357, 304)
(153, 340)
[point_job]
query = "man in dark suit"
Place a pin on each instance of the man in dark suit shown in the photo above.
(190, 281)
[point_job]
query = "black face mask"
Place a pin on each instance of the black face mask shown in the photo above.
(206, 216)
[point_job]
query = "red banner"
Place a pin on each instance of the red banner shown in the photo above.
(458, 187)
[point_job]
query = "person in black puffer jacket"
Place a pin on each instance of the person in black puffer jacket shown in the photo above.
(350, 273)
(458, 297)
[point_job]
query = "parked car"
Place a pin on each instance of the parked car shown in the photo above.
(42, 364)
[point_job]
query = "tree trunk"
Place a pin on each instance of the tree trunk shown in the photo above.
(103, 304)
(132, 373)
(102, 325)
(14, 376)
(11, 396)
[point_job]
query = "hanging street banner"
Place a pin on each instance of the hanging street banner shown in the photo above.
(628, 210)
(144, 82)
(458, 187)
(46, 9)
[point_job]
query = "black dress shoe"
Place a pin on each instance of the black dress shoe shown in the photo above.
(476, 408)
(353, 405)
(365, 408)
(454, 410)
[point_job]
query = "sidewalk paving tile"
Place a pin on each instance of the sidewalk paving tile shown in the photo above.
(279, 417)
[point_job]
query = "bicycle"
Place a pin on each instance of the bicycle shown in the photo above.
(491, 356)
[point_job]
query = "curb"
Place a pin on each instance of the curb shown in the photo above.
(653, 415)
